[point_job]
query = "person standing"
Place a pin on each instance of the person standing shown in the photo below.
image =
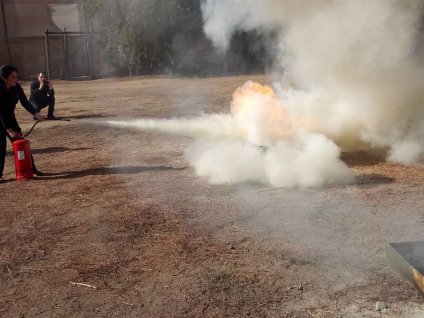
(42, 95)
(10, 93)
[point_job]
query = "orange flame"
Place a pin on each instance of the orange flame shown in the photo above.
(261, 113)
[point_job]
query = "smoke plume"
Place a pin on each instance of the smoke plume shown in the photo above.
(354, 66)
(353, 80)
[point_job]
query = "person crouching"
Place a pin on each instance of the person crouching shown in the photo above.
(42, 95)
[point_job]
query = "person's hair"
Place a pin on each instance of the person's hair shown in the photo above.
(42, 73)
(6, 70)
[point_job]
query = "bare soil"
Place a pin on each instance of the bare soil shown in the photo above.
(122, 212)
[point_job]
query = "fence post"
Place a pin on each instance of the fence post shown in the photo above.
(91, 55)
(46, 40)
(65, 74)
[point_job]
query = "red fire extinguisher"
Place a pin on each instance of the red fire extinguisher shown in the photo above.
(23, 160)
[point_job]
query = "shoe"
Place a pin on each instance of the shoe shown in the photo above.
(38, 173)
(51, 117)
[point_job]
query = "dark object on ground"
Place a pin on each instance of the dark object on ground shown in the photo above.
(408, 259)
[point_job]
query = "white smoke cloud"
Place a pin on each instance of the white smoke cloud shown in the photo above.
(355, 64)
(353, 79)
(261, 140)
(303, 161)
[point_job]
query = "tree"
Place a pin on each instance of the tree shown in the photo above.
(154, 36)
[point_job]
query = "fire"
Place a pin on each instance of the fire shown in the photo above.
(261, 114)
(244, 97)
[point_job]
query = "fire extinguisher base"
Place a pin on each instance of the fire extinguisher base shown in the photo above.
(24, 175)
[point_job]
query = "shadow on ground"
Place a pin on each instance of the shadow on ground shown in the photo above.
(373, 179)
(103, 171)
(83, 116)
(51, 150)
(362, 158)
(57, 150)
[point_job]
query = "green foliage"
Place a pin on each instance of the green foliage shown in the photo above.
(91, 7)
(138, 34)
(147, 36)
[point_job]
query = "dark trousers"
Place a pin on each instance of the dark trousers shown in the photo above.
(39, 104)
(3, 146)
(3, 141)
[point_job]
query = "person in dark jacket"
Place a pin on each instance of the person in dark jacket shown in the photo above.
(42, 95)
(10, 93)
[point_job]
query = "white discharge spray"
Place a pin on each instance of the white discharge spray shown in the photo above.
(259, 141)
(356, 77)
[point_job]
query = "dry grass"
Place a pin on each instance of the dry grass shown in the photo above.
(123, 212)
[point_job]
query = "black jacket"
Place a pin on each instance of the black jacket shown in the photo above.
(37, 94)
(8, 100)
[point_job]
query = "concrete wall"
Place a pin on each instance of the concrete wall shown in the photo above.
(26, 21)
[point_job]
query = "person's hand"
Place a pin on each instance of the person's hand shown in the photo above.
(14, 135)
(39, 117)
(42, 84)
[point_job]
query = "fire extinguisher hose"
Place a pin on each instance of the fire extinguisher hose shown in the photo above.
(29, 131)
(32, 128)
(36, 123)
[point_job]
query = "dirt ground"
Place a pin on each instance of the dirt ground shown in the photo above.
(123, 212)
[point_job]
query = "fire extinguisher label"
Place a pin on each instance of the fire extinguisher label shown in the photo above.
(21, 155)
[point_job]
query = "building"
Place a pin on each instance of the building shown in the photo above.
(22, 34)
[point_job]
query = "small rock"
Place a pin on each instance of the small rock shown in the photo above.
(380, 305)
